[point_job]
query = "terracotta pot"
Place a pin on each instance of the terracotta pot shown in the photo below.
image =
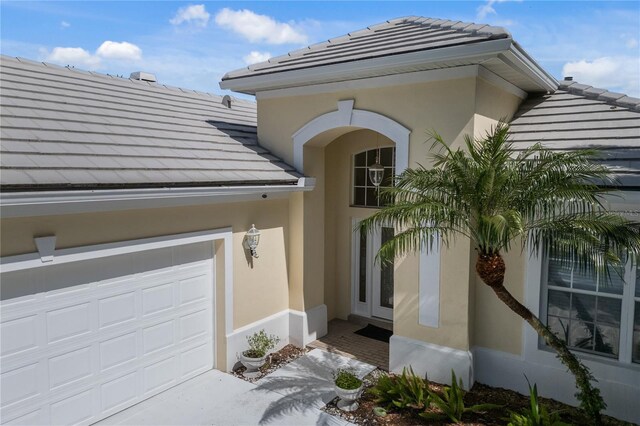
(252, 364)
(348, 398)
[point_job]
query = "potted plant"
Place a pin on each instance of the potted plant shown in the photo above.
(259, 346)
(348, 387)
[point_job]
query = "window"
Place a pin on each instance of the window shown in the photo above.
(365, 194)
(601, 318)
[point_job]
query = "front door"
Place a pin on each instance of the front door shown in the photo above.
(372, 281)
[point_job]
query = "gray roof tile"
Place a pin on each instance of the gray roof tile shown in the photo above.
(571, 118)
(65, 129)
(400, 35)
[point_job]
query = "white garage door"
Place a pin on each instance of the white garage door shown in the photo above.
(81, 341)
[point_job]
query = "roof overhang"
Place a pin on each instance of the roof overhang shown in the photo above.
(45, 203)
(504, 56)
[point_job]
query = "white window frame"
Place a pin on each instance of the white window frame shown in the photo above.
(626, 314)
(352, 196)
(613, 369)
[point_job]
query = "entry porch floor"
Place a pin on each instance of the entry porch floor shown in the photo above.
(342, 340)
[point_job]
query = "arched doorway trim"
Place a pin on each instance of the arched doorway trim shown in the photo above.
(347, 116)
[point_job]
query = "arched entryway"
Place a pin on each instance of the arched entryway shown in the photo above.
(346, 141)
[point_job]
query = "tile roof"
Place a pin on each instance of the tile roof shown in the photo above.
(393, 37)
(579, 116)
(62, 128)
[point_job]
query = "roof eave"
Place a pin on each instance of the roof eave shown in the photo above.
(44, 203)
(504, 48)
(519, 59)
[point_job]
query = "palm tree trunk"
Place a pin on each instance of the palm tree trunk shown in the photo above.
(491, 269)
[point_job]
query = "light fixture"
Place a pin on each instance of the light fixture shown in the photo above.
(252, 239)
(376, 171)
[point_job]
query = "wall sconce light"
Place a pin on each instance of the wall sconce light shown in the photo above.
(252, 239)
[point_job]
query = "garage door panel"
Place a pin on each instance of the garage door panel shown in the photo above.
(73, 409)
(159, 374)
(19, 335)
(68, 280)
(29, 419)
(118, 350)
(68, 322)
(157, 298)
(193, 325)
(116, 309)
(196, 360)
(120, 391)
(20, 384)
(72, 355)
(193, 289)
(157, 337)
(70, 367)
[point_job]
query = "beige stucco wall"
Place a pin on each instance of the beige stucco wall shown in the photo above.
(453, 108)
(494, 325)
(260, 285)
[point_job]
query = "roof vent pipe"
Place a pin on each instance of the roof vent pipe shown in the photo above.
(143, 76)
(568, 79)
(226, 101)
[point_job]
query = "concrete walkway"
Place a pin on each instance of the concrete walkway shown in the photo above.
(292, 395)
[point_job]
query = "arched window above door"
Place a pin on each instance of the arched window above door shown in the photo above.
(364, 193)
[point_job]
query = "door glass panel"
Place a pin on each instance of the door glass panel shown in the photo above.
(636, 331)
(386, 274)
(362, 273)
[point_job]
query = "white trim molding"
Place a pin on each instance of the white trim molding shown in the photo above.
(305, 327)
(414, 77)
(96, 251)
(434, 361)
(620, 387)
(276, 324)
(291, 326)
(42, 203)
(347, 116)
(429, 287)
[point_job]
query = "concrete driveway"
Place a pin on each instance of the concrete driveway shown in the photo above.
(292, 395)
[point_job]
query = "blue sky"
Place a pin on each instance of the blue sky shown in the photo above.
(192, 44)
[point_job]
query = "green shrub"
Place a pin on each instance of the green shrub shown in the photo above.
(260, 344)
(404, 391)
(451, 402)
(536, 415)
(346, 379)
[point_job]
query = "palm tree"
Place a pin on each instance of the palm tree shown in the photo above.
(502, 199)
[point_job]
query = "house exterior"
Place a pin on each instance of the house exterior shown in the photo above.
(125, 206)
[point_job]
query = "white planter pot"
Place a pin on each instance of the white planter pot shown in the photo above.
(348, 398)
(252, 364)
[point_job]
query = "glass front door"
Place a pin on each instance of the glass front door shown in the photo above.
(373, 281)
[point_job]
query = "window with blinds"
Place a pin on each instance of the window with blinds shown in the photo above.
(598, 316)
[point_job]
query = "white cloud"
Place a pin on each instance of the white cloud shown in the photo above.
(259, 28)
(488, 9)
(64, 24)
(618, 73)
(254, 57)
(73, 56)
(119, 50)
(631, 43)
(109, 51)
(195, 14)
